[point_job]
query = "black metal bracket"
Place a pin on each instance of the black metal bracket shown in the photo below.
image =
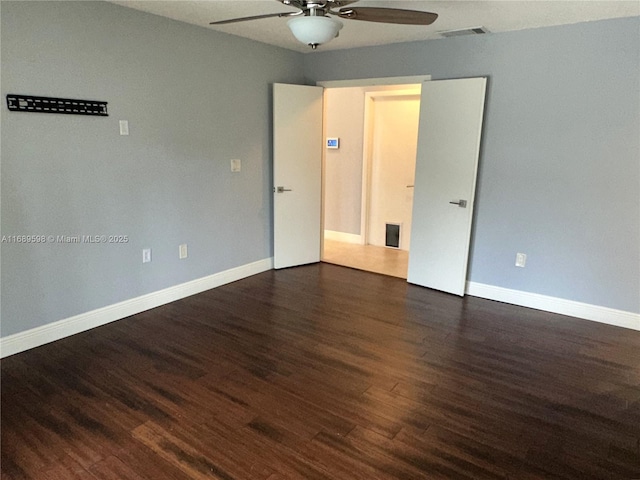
(29, 103)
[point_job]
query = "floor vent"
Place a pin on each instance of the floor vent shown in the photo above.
(464, 31)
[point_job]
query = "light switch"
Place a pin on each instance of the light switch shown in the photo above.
(236, 165)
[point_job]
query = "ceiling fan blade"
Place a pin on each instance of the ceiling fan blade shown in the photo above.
(255, 17)
(388, 15)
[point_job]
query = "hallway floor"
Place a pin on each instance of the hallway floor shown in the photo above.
(387, 261)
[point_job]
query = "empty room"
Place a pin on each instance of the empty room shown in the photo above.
(172, 172)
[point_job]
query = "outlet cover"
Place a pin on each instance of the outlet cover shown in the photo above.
(146, 255)
(236, 165)
(521, 259)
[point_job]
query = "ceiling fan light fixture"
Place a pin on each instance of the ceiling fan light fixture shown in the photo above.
(314, 30)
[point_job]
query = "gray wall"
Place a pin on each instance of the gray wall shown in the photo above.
(559, 174)
(194, 99)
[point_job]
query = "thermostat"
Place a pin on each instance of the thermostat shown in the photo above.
(333, 143)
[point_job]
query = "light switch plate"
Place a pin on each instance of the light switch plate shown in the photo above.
(124, 127)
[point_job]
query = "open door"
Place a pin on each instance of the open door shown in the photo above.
(297, 174)
(451, 115)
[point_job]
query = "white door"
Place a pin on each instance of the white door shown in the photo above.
(393, 164)
(446, 166)
(297, 174)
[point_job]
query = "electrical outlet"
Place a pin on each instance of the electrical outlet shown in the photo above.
(236, 165)
(521, 259)
(146, 255)
(182, 251)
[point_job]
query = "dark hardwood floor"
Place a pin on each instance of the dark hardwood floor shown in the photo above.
(323, 372)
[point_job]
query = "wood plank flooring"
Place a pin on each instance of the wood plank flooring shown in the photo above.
(371, 258)
(324, 372)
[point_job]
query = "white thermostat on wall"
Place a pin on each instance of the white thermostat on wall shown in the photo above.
(333, 143)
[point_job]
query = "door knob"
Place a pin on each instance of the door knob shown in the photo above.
(282, 190)
(460, 203)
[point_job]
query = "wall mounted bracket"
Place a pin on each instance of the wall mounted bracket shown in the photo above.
(29, 103)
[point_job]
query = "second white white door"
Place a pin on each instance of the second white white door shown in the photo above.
(446, 168)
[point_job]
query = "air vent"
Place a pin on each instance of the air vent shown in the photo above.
(464, 31)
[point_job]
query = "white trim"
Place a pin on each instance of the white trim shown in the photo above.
(342, 237)
(35, 337)
(610, 316)
(323, 175)
(370, 82)
(365, 183)
(414, 90)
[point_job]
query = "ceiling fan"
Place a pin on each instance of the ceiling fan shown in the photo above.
(313, 24)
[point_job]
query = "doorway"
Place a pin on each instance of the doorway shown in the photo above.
(450, 132)
(368, 180)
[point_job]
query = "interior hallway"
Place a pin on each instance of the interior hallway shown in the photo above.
(388, 261)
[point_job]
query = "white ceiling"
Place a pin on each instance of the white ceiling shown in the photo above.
(495, 15)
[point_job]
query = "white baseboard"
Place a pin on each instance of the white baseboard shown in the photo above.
(342, 237)
(51, 332)
(610, 316)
